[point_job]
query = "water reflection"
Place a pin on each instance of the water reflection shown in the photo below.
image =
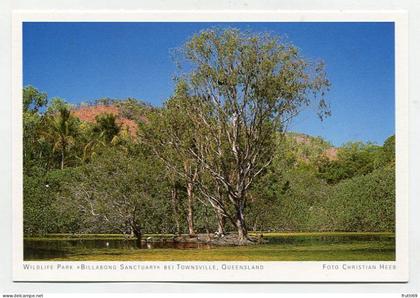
(45, 249)
(328, 239)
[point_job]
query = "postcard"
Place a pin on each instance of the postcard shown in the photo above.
(219, 146)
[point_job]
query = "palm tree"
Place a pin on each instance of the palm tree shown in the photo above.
(61, 131)
(105, 132)
(107, 127)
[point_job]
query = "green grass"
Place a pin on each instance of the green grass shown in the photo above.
(360, 250)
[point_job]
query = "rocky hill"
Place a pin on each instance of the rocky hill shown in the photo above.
(128, 112)
(309, 148)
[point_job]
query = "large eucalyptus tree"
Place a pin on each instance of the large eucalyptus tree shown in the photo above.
(241, 88)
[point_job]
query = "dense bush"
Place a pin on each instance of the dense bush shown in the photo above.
(306, 203)
(363, 203)
(353, 159)
(120, 193)
(37, 212)
(43, 210)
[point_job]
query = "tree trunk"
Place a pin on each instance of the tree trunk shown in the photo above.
(63, 150)
(221, 221)
(190, 217)
(240, 222)
(174, 194)
(138, 234)
(62, 159)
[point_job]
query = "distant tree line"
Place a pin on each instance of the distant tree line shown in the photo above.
(215, 157)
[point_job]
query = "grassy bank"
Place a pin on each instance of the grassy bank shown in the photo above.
(307, 247)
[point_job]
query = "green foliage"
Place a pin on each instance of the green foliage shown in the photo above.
(107, 127)
(66, 219)
(293, 195)
(61, 130)
(389, 149)
(303, 149)
(362, 203)
(240, 89)
(301, 190)
(35, 153)
(43, 212)
(386, 155)
(122, 193)
(284, 203)
(33, 100)
(37, 212)
(56, 105)
(353, 159)
(132, 108)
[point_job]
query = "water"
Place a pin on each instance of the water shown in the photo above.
(329, 239)
(46, 249)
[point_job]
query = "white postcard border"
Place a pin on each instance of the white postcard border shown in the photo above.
(261, 271)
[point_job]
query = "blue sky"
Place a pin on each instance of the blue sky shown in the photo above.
(85, 61)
